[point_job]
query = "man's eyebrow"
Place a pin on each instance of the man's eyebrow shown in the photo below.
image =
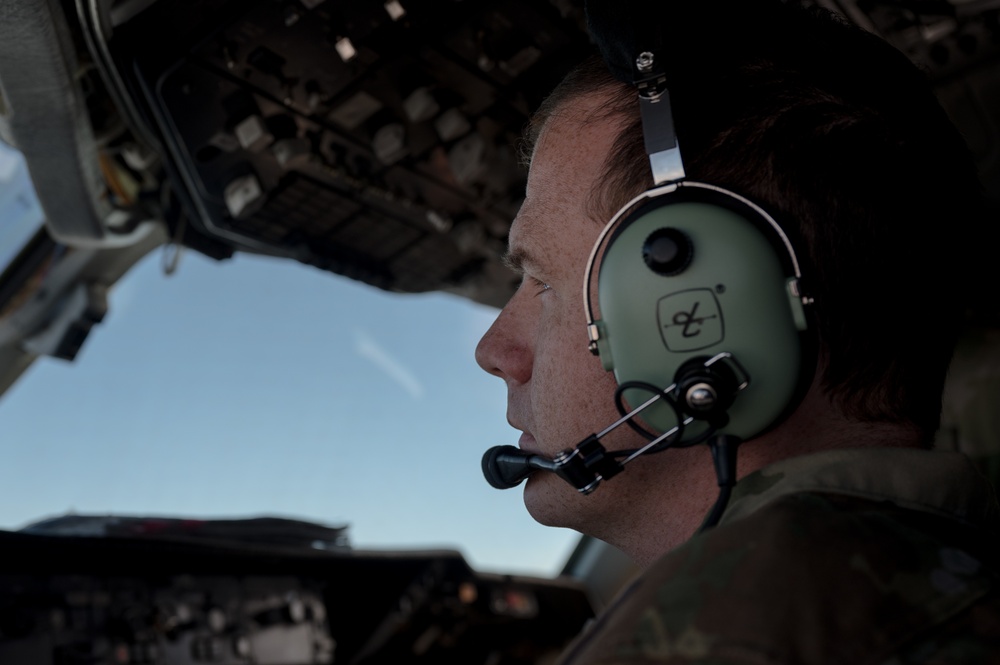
(516, 259)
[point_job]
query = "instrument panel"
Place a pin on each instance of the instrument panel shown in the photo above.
(76, 600)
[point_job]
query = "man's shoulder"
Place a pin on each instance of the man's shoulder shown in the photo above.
(809, 578)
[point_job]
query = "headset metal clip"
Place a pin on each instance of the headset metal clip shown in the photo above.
(660, 136)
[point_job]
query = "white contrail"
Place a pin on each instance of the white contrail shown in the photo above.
(368, 348)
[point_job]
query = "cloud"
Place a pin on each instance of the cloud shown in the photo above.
(369, 349)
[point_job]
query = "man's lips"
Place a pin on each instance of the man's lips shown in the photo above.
(527, 443)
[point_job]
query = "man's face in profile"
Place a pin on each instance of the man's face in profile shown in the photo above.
(557, 392)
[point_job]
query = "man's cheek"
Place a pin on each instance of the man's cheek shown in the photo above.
(564, 323)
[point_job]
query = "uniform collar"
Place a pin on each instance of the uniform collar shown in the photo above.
(942, 483)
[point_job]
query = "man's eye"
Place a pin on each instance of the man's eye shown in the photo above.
(540, 286)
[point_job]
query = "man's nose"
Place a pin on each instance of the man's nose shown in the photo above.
(505, 349)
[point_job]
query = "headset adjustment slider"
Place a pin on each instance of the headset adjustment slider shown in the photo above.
(594, 334)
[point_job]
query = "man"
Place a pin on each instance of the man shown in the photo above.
(846, 540)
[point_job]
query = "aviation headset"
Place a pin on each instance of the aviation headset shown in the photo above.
(700, 314)
(696, 285)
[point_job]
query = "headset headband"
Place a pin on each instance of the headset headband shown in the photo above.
(632, 46)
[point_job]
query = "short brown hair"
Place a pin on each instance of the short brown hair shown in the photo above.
(839, 136)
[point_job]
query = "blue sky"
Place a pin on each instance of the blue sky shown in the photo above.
(258, 386)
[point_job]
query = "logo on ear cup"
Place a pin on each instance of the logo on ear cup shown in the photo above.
(690, 320)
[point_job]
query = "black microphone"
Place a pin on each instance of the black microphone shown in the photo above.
(507, 466)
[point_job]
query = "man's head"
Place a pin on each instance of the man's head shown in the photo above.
(833, 132)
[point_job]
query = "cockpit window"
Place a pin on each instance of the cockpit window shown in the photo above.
(21, 216)
(262, 387)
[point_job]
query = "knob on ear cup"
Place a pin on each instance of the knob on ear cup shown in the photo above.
(667, 251)
(734, 294)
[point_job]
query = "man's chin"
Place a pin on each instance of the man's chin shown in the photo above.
(552, 502)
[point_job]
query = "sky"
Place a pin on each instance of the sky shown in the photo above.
(259, 386)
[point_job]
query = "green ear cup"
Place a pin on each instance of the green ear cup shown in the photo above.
(731, 294)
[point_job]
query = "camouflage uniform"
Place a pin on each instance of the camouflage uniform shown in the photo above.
(851, 556)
